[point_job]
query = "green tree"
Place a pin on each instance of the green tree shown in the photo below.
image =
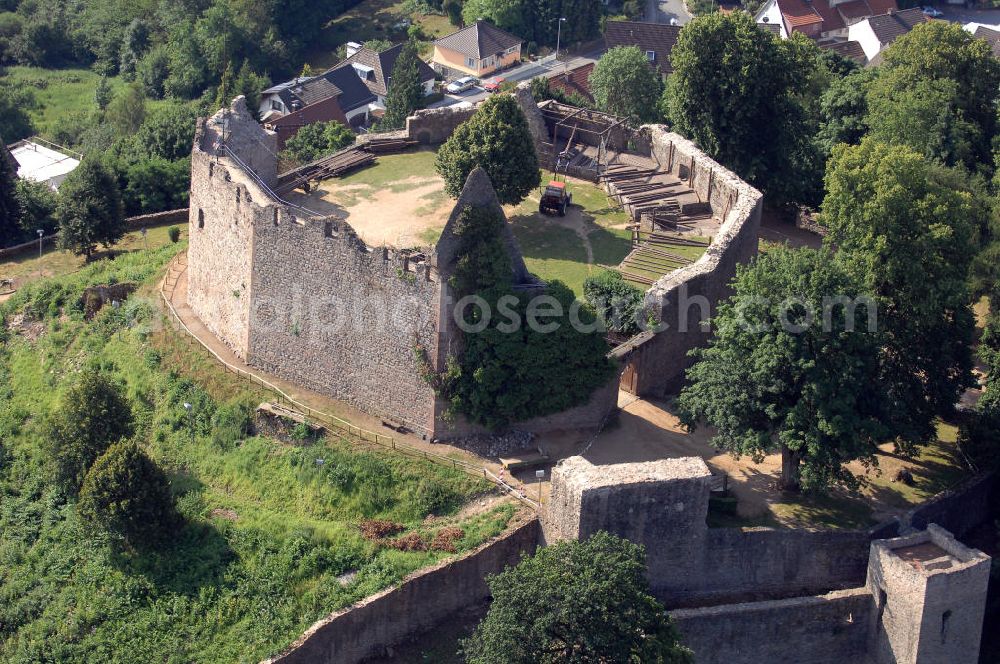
(250, 84)
(405, 89)
(128, 109)
(155, 185)
(92, 415)
(134, 43)
(510, 15)
(188, 74)
(905, 228)
(733, 93)
(153, 69)
(38, 207)
(498, 139)
(10, 208)
(167, 132)
(789, 370)
(90, 210)
(103, 93)
(453, 9)
(576, 601)
(942, 51)
(126, 494)
(624, 83)
(15, 102)
(377, 45)
(617, 302)
(317, 140)
(843, 107)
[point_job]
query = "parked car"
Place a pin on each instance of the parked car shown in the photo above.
(494, 84)
(932, 12)
(461, 85)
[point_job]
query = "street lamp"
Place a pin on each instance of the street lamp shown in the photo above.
(40, 234)
(190, 412)
(559, 35)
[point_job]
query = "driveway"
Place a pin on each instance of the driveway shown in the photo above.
(662, 11)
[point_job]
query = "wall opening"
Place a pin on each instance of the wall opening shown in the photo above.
(276, 220)
(945, 619)
(328, 229)
(201, 218)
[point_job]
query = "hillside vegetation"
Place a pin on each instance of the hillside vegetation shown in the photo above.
(271, 538)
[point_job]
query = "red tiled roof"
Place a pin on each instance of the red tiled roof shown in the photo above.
(832, 20)
(855, 9)
(574, 81)
(798, 13)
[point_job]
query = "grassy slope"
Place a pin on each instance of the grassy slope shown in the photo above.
(226, 590)
(60, 92)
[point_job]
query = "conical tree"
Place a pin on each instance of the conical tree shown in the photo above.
(126, 494)
(498, 139)
(405, 90)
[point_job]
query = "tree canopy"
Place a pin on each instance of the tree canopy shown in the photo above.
(318, 139)
(790, 369)
(498, 139)
(624, 83)
(126, 494)
(90, 209)
(735, 90)
(905, 228)
(576, 601)
(537, 21)
(950, 80)
(93, 414)
(10, 208)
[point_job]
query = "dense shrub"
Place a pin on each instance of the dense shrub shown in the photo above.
(126, 494)
(93, 414)
(617, 302)
(232, 422)
(174, 233)
(318, 139)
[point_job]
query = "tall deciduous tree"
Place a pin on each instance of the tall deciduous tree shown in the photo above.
(733, 92)
(842, 110)
(938, 51)
(578, 601)
(405, 89)
(901, 225)
(791, 368)
(498, 139)
(318, 139)
(92, 415)
(90, 210)
(625, 83)
(127, 110)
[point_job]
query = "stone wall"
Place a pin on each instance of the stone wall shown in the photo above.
(416, 605)
(220, 245)
(344, 319)
(684, 298)
(961, 509)
(828, 629)
(432, 126)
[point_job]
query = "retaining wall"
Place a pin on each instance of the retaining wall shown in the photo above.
(828, 629)
(416, 605)
(432, 126)
(683, 299)
(958, 510)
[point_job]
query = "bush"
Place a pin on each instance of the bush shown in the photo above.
(979, 436)
(126, 494)
(92, 415)
(174, 233)
(617, 302)
(316, 140)
(232, 422)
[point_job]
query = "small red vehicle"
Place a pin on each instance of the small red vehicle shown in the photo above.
(493, 84)
(555, 199)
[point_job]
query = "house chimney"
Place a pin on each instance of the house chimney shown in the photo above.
(351, 48)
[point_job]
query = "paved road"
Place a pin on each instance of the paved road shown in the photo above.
(959, 14)
(663, 11)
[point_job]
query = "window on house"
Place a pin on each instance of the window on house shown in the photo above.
(470, 62)
(277, 105)
(511, 50)
(651, 56)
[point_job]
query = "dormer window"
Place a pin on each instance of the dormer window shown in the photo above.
(364, 72)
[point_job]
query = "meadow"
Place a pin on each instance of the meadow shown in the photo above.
(271, 540)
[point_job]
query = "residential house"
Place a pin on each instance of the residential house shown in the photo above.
(337, 94)
(819, 19)
(877, 32)
(656, 40)
(479, 50)
(991, 33)
(375, 69)
(851, 50)
(574, 81)
(41, 163)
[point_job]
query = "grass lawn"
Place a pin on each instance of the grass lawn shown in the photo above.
(61, 92)
(271, 539)
(374, 19)
(56, 262)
